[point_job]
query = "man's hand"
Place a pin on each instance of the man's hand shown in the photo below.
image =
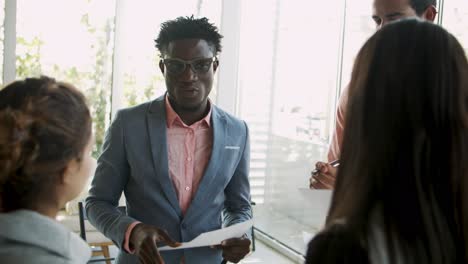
(324, 178)
(235, 249)
(143, 240)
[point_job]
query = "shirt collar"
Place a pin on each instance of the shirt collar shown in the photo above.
(172, 116)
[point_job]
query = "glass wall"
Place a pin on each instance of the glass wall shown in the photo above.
(454, 20)
(72, 41)
(2, 31)
(359, 26)
(288, 81)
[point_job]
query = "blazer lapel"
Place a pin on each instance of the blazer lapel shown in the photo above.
(206, 186)
(156, 119)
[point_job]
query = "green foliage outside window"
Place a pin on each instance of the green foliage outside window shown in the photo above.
(94, 82)
(136, 93)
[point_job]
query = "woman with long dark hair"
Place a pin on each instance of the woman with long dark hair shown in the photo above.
(45, 161)
(401, 194)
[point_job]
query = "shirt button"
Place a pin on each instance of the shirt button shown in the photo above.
(187, 188)
(189, 158)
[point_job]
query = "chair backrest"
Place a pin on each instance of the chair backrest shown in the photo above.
(83, 217)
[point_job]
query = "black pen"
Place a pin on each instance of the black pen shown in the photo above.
(334, 164)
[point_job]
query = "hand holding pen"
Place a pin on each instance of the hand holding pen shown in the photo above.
(324, 175)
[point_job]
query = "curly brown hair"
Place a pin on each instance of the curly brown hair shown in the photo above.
(44, 124)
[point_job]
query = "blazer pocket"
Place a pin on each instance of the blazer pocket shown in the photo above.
(232, 147)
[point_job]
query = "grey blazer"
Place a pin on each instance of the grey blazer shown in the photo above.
(134, 160)
(29, 237)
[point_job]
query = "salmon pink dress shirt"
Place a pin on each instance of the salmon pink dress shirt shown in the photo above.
(189, 151)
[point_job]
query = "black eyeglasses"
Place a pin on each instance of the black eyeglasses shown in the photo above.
(198, 66)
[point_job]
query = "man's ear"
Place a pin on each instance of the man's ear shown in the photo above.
(161, 66)
(430, 13)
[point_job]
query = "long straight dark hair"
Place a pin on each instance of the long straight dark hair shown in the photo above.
(405, 145)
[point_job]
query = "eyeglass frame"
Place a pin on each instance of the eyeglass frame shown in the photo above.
(189, 62)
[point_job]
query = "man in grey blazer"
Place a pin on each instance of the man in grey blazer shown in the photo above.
(181, 162)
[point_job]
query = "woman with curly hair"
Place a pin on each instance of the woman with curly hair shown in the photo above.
(45, 160)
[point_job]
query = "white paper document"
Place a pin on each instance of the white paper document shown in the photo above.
(215, 237)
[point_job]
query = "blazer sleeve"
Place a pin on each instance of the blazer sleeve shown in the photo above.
(335, 246)
(109, 181)
(237, 207)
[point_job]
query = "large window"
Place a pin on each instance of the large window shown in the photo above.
(288, 81)
(2, 32)
(454, 20)
(72, 41)
(359, 26)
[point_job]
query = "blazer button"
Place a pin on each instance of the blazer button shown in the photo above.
(184, 226)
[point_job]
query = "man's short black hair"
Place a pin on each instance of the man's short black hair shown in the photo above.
(421, 5)
(188, 28)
